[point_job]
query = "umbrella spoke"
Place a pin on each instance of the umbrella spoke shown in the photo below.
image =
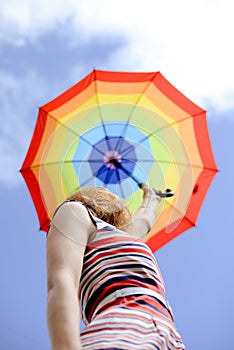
(134, 108)
(79, 136)
(86, 181)
(101, 170)
(120, 141)
(86, 161)
(119, 182)
(120, 185)
(108, 176)
(159, 161)
(100, 113)
(154, 133)
(125, 171)
(180, 213)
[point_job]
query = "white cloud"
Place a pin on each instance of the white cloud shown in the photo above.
(190, 42)
(16, 126)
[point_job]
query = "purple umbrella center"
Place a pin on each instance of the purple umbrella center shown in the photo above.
(112, 159)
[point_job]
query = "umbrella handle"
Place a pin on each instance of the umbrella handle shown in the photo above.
(167, 193)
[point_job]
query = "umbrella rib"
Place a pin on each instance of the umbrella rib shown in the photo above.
(78, 161)
(152, 134)
(100, 113)
(87, 181)
(60, 162)
(184, 217)
(108, 176)
(75, 133)
(92, 177)
(119, 181)
(132, 111)
(176, 163)
(101, 170)
(93, 161)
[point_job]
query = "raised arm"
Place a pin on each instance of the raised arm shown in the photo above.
(66, 242)
(144, 217)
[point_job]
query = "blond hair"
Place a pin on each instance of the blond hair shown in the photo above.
(104, 205)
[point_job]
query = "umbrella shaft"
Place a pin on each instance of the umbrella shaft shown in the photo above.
(118, 165)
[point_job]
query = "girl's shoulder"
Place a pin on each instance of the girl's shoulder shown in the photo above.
(72, 218)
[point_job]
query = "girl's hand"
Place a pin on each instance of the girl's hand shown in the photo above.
(159, 193)
(146, 190)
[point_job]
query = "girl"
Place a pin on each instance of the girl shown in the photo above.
(99, 268)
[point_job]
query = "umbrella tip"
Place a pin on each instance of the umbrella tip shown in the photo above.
(168, 193)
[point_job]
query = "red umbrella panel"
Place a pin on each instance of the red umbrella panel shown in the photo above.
(119, 129)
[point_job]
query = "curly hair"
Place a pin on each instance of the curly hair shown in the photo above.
(104, 205)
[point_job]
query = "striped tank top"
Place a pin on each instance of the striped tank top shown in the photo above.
(122, 295)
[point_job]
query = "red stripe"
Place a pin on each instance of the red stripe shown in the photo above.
(35, 192)
(176, 96)
(162, 237)
(203, 141)
(129, 248)
(69, 94)
(130, 282)
(112, 77)
(131, 302)
(124, 77)
(36, 140)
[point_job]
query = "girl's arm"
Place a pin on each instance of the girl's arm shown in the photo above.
(66, 242)
(144, 218)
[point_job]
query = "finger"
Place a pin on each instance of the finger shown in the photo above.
(158, 192)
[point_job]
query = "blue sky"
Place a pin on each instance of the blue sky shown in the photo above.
(46, 48)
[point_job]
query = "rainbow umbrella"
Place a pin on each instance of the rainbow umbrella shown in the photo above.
(118, 130)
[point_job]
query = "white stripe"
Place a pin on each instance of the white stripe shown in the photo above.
(136, 332)
(131, 291)
(124, 318)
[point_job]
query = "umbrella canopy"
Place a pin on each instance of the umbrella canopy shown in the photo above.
(115, 127)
